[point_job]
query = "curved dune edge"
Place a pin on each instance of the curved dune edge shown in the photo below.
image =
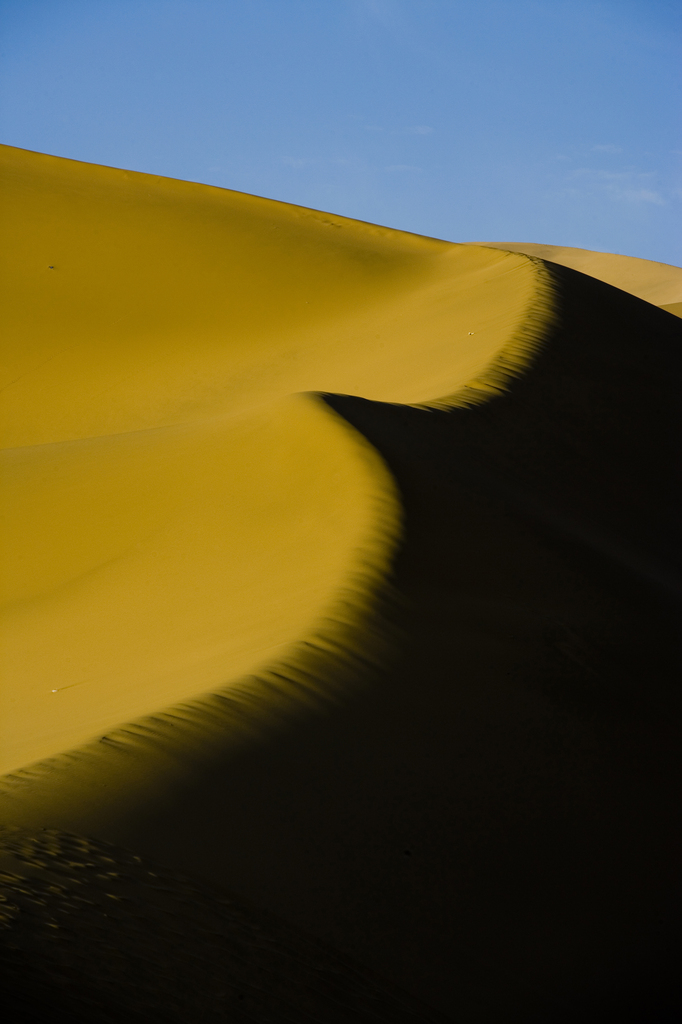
(657, 283)
(307, 666)
(507, 299)
(515, 356)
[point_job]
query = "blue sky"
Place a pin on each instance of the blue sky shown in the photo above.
(510, 120)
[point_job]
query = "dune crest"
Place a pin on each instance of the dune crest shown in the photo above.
(657, 283)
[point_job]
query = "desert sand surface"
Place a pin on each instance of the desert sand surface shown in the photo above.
(658, 283)
(203, 512)
(340, 659)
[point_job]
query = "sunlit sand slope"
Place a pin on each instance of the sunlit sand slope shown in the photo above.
(133, 301)
(172, 523)
(142, 568)
(658, 283)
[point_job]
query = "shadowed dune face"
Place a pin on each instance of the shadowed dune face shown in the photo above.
(244, 966)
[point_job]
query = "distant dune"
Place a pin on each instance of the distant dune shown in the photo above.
(658, 283)
(340, 615)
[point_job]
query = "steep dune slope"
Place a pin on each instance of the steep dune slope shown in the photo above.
(468, 777)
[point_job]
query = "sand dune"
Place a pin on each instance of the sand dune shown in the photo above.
(153, 339)
(205, 301)
(143, 584)
(658, 283)
(393, 663)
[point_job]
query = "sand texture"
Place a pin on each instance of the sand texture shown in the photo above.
(341, 593)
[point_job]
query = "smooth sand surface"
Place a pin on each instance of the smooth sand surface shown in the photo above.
(658, 283)
(391, 672)
(143, 568)
(133, 301)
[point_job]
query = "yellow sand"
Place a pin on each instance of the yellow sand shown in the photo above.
(173, 519)
(658, 283)
(168, 301)
(143, 567)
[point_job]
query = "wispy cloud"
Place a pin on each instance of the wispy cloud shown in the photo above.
(639, 195)
(598, 174)
(291, 161)
(385, 12)
(403, 167)
(419, 129)
(607, 148)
